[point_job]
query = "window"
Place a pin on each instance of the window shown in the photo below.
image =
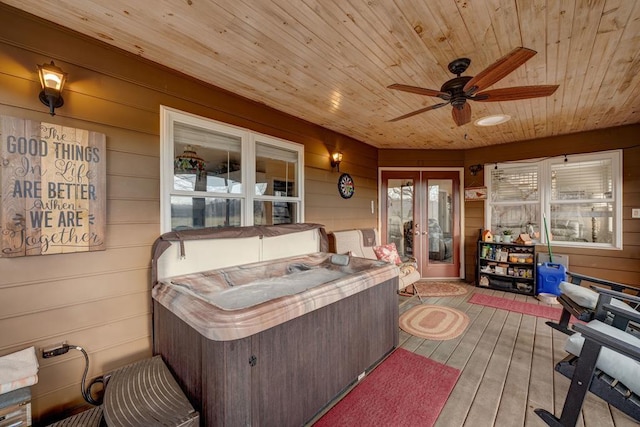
(218, 175)
(575, 200)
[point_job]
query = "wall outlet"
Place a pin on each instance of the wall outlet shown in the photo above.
(361, 376)
(635, 213)
(55, 350)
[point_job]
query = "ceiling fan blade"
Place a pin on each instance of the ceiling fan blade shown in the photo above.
(420, 91)
(422, 110)
(515, 93)
(498, 70)
(461, 115)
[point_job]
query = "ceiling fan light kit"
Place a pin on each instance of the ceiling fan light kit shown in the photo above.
(461, 89)
(493, 120)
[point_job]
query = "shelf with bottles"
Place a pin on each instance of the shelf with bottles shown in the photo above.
(506, 266)
(507, 252)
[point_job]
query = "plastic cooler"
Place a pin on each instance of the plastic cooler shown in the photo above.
(549, 277)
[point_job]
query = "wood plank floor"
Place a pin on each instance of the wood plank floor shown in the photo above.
(506, 361)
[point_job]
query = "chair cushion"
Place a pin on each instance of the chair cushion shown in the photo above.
(407, 268)
(582, 296)
(623, 368)
(388, 253)
(588, 298)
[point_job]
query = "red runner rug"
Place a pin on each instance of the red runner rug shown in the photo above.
(537, 310)
(405, 390)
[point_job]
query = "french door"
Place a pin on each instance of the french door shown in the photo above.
(421, 215)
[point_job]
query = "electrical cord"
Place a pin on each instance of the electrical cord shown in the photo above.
(86, 391)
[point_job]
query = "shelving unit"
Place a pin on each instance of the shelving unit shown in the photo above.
(507, 267)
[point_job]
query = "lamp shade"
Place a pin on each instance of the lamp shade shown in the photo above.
(189, 161)
(52, 78)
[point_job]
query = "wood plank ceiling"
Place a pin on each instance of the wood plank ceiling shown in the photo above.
(330, 61)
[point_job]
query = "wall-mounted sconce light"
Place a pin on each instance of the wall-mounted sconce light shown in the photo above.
(474, 169)
(336, 158)
(52, 79)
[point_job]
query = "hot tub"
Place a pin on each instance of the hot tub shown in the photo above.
(273, 342)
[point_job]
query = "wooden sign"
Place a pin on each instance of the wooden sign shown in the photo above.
(475, 193)
(53, 182)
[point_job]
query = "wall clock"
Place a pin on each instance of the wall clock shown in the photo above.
(346, 187)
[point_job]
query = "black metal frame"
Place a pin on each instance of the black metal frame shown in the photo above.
(583, 378)
(570, 308)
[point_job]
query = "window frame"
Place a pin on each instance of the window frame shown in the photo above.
(169, 116)
(544, 169)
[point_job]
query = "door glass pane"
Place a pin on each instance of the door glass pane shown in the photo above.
(440, 217)
(400, 195)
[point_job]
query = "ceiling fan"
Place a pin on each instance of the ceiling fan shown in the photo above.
(460, 89)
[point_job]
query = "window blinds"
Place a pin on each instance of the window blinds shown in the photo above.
(514, 184)
(582, 180)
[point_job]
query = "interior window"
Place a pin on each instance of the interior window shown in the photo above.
(567, 201)
(213, 173)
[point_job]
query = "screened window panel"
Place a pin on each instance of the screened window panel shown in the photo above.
(514, 184)
(520, 218)
(582, 222)
(197, 212)
(582, 180)
(186, 134)
(218, 165)
(272, 213)
(277, 169)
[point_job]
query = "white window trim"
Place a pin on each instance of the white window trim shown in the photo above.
(248, 139)
(544, 186)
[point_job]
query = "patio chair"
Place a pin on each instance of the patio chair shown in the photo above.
(604, 360)
(586, 304)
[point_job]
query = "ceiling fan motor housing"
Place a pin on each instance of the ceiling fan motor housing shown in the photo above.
(454, 87)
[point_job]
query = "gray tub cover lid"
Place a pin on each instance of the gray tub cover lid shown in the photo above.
(163, 242)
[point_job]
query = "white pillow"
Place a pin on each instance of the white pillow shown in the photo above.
(579, 294)
(623, 368)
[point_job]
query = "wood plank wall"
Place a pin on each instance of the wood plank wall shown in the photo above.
(101, 300)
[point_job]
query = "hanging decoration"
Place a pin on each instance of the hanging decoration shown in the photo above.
(189, 162)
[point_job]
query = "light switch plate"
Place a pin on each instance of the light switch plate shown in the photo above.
(635, 213)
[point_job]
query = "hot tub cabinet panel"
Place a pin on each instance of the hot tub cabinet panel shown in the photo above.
(286, 374)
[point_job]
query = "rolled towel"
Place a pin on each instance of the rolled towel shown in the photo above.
(14, 385)
(18, 366)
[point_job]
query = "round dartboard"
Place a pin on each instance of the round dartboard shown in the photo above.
(346, 187)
